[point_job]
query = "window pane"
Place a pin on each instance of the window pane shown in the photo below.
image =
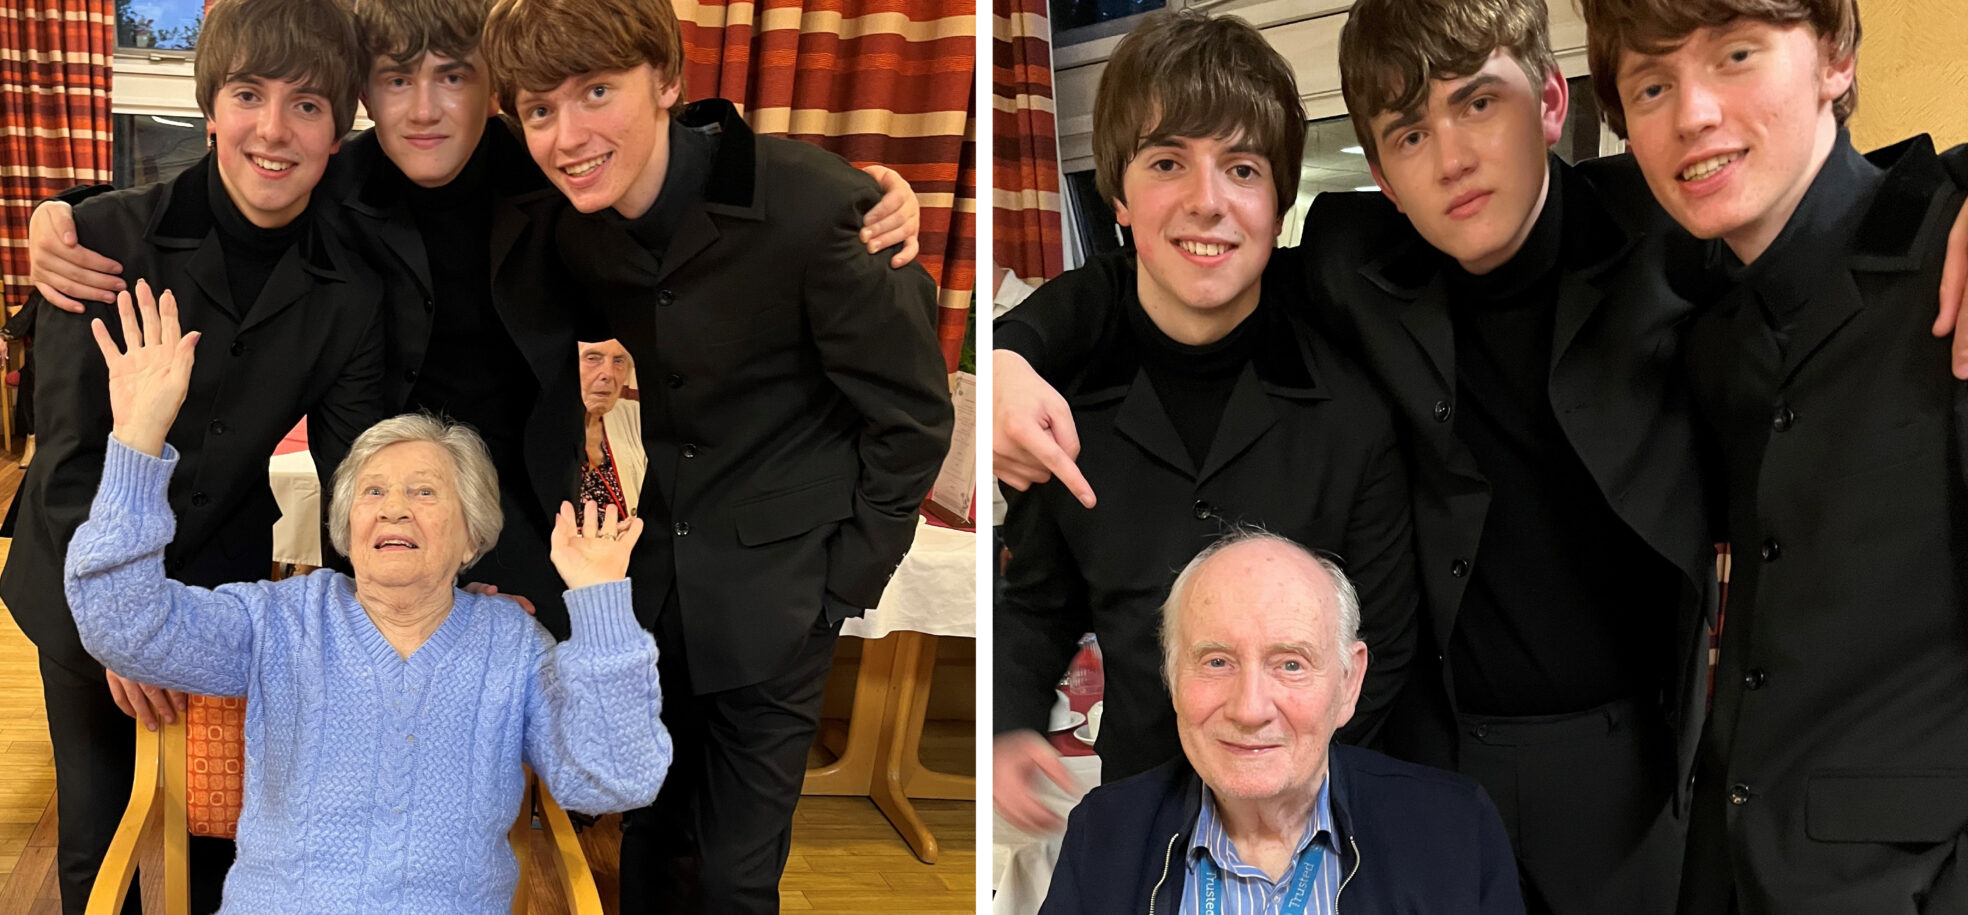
(150, 148)
(1068, 14)
(159, 25)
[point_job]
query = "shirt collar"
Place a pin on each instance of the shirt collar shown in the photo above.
(1210, 838)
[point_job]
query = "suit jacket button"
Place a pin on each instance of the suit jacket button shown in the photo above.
(1739, 794)
(1443, 411)
(1753, 679)
(218, 427)
(1459, 568)
(664, 298)
(200, 499)
(689, 450)
(682, 528)
(1782, 419)
(238, 348)
(410, 375)
(674, 380)
(1203, 510)
(1772, 551)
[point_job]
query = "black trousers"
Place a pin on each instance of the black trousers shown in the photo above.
(1587, 799)
(95, 761)
(717, 837)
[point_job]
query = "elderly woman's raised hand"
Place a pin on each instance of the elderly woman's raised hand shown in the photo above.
(148, 380)
(594, 552)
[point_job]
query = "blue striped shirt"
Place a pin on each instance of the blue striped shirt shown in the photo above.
(1246, 890)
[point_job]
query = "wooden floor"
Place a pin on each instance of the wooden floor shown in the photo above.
(845, 856)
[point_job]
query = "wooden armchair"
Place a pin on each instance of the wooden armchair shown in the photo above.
(200, 796)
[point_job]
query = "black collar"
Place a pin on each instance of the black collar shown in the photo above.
(1279, 356)
(734, 177)
(185, 220)
(373, 183)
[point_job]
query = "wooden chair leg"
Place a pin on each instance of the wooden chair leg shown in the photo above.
(119, 868)
(577, 883)
(177, 840)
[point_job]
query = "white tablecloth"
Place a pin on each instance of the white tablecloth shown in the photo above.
(1021, 863)
(934, 590)
(297, 535)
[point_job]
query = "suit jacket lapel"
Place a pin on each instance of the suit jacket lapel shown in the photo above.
(289, 283)
(1426, 318)
(1578, 297)
(697, 233)
(207, 269)
(1143, 421)
(1247, 415)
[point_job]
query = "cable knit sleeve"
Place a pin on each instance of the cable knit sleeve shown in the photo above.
(134, 620)
(594, 731)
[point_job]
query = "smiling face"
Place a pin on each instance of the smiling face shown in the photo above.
(1470, 169)
(407, 522)
(1731, 127)
(604, 370)
(603, 138)
(274, 138)
(1257, 679)
(430, 113)
(1204, 213)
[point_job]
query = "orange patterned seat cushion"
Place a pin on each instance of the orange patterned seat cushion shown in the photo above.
(215, 764)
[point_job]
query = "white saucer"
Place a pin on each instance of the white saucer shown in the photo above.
(1083, 735)
(1068, 722)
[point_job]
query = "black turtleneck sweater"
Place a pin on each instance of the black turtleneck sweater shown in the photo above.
(1192, 382)
(250, 251)
(1567, 608)
(472, 370)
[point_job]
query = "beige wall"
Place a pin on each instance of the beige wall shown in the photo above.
(1913, 72)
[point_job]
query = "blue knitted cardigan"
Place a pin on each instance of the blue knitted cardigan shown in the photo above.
(373, 783)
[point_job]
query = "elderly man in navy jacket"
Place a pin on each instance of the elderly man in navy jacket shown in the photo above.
(1263, 813)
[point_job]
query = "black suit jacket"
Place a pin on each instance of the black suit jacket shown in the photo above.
(1833, 775)
(1305, 448)
(312, 345)
(1375, 286)
(795, 408)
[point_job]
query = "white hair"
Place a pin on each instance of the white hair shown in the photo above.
(471, 469)
(1346, 622)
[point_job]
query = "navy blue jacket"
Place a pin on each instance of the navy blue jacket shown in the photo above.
(1411, 839)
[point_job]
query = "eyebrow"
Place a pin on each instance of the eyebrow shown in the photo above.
(1474, 86)
(457, 65)
(1408, 118)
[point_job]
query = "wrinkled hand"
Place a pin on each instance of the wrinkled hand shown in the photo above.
(60, 267)
(148, 704)
(1953, 318)
(895, 219)
(1018, 758)
(1032, 433)
(596, 552)
(479, 587)
(147, 383)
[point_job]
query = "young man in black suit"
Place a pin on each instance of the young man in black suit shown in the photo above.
(1830, 775)
(1210, 406)
(796, 412)
(1561, 529)
(289, 326)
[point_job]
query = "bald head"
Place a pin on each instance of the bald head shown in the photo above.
(1256, 567)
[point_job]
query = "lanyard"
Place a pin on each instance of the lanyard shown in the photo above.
(1304, 877)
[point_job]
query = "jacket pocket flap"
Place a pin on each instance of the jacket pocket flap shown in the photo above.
(795, 511)
(1903, 805)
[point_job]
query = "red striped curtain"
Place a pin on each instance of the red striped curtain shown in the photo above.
(1025, 168)
(54, 113)
(880, 82)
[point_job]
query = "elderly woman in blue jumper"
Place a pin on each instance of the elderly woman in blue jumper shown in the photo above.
(387, 716)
